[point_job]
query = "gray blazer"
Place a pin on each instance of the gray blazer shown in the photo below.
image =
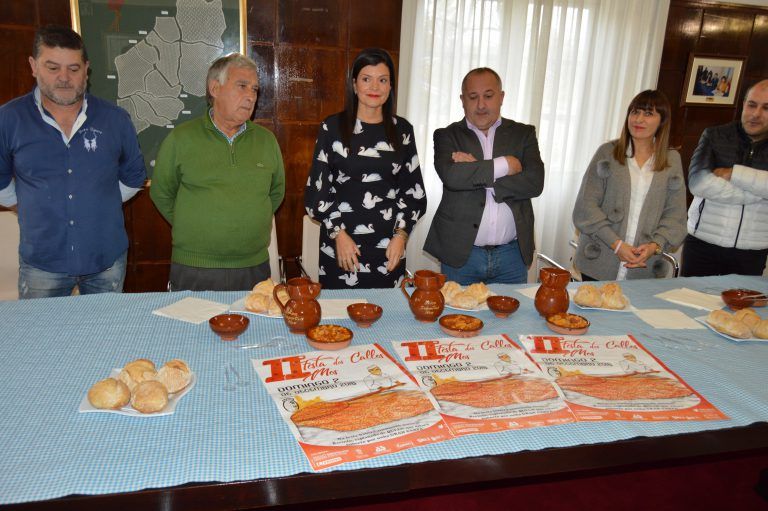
(454, 228)
(600, 215)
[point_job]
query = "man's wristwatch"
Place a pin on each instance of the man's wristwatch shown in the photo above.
(658, 248)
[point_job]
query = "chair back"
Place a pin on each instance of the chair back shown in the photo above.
(310, 248)
(274, 255)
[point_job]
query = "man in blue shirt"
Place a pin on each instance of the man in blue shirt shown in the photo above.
(67, 162)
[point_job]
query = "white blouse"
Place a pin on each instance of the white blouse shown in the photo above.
(640, 183)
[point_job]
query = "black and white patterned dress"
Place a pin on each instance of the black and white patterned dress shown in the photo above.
(369, 189)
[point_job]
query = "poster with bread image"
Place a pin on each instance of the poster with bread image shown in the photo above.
(613, 377)
(483, 384)
(140, 389)
(349, 405)
(743, 325)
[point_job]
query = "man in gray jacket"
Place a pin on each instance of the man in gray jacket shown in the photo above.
(728, 176)
(490, 168)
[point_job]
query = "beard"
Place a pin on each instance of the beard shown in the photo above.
(53, 94)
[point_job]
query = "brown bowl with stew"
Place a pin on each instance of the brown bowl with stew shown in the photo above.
(568, 324)
(460, 325)
(329, 337)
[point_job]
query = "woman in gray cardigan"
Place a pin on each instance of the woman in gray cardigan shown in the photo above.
(631, 205)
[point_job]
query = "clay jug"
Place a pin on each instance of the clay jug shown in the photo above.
(301, 312)
(552, 296)
(426, 301)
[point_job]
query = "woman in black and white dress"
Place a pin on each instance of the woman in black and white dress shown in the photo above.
(365, 185)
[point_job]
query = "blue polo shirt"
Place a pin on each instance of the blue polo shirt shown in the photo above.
(68, 191)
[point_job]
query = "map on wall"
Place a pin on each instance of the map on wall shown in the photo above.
(151, 57)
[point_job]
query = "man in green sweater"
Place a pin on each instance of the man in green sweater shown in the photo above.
(218, 180)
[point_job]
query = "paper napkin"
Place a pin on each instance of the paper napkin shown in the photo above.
(691, 298)
(668, 318)
(192, 310)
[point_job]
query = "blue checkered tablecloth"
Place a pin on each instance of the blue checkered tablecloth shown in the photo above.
(54, 349)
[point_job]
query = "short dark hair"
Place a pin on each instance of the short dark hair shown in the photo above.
(479, 71)
(57, 36)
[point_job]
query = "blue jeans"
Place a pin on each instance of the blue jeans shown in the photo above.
(502, 264)
(37, 283)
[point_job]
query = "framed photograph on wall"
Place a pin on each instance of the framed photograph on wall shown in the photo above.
(712, 80)
(151, 58)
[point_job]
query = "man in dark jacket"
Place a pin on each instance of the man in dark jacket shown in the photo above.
(728, 218)
(490, 168)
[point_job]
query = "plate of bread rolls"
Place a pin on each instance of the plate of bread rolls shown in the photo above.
(260, 301)
(742, 325)
(140, 389)
(471, 298)
(608, 297)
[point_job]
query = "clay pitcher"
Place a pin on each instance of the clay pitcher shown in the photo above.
(301, 312)
(552, 296)
(426, 301)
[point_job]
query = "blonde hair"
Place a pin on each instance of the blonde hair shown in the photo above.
(653, 100)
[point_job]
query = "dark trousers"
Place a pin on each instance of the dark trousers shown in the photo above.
(701, 259)
(190, 278)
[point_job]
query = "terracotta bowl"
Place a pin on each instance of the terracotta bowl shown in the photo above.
(229, 326)
(364, 314)
(741, 298)
(329, 337)
(502, 306)
(580, 324)
(460, 325)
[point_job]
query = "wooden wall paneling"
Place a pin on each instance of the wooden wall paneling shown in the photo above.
(725, 31)
(18, 13)
(15, 51)
(313, 22)
(371, 24)
(264, 55)
(311, 85)
(53, 12)
(757, 67)
(684, 25)
(261, 21)
(297, 141)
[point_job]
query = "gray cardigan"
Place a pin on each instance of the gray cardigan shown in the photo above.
(600, 215)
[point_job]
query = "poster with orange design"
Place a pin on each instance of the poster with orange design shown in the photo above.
(350, 405)
(483, 384)
(613, 377)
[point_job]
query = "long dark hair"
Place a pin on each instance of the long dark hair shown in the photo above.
(647, 100)
(369, 57)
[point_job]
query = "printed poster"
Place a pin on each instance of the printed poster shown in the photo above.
(613, 377)
(350, 405)
(483, 384)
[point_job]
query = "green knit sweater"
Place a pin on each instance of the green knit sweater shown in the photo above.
(219, 198)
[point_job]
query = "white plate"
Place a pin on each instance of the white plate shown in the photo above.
(239, 307)
(482, 307)
(703, 321)
(628, 308)
(170, 408)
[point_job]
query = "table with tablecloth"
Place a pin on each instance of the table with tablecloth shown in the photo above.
(54, 349)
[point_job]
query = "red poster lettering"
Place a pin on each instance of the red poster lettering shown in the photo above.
(276, 367)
